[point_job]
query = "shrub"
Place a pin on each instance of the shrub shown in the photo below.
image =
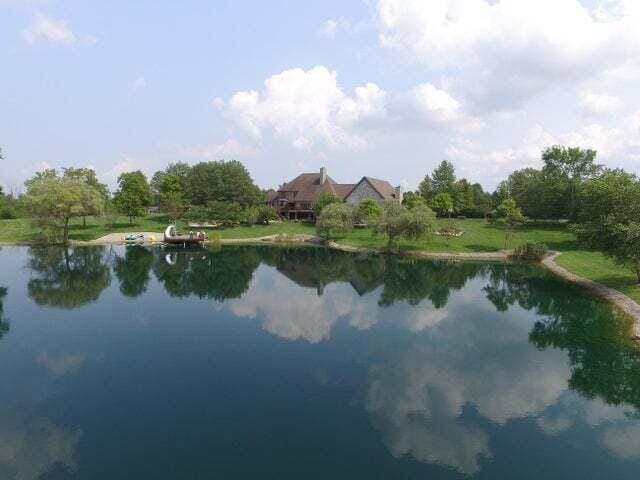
(325, 199)
(336, 219)
(397, 221)
(265, 213)
(368, 212)
(530, 251)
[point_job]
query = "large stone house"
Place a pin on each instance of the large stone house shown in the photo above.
(296, 199)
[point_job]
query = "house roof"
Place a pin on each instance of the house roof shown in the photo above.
(308, 187)
(384, 188)
(271, 195)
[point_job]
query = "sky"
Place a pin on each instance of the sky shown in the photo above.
(385, 88)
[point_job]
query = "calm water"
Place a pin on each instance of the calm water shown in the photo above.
(303, 363)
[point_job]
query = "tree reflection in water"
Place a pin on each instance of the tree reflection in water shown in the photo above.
(605, 362)
(133, 270)
(4, 323)
(67, 277)
(218, 274)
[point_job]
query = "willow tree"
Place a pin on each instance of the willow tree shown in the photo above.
(53, 200)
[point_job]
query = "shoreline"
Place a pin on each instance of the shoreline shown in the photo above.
(624, 303)
(618, 299)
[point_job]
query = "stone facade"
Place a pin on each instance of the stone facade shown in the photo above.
(363, 191)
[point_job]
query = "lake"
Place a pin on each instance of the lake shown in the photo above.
(264, 362)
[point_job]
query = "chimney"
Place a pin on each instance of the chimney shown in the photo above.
(323, 175)
(399, 193)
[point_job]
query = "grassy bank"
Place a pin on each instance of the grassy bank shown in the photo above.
(595, 266)
(479, 236)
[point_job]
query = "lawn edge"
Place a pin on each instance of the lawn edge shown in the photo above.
(623, 302)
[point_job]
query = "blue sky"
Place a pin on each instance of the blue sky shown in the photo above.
(384, 88)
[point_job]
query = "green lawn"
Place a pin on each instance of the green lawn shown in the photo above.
(479, 236)
(601, 269)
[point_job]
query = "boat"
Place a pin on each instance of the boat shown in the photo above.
(172, 237)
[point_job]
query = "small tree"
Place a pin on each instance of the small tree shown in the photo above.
(52, 201)
(336, 219)
(511, 215)
(412, 200)
(134, 195)
(265, 213)
(399, 222)
(442, 203)
(368, 212)
(324, 199)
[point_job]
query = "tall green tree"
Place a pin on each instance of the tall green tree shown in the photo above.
(134, 195)
(574, 164)
(222, 182)
(89, 177)
(179, 170)
(609, 217)
(52, 201)
(172, 196)
(441, 180)
(324, 200)
(442, 204)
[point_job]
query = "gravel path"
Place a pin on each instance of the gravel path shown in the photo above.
(620, 300)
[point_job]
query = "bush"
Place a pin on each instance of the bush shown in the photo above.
(530, 251)
(399, 222)
(336, 219)
(368, 212)
(265, 213)
(325, 199)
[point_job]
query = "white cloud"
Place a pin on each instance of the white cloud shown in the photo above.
(61, 364)
(31, 447)
(499, 53)
(48, 29)
(599, 103)
(332, 26)
(624, 442)
(308, 108)
(138, 84)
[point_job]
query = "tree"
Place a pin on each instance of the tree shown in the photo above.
(609, 217)
(398, 221)
(171, 196)
(412, 199)
(574, 164)
(335, 219)
(52, 201)
(222, 182)
(368, 212)
(442, 204)
(179, 170)
(134, 195)
(511, 215)
(324, 200)
(89, 177)
(441, 180)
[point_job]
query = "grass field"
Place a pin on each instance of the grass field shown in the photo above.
(479, 236)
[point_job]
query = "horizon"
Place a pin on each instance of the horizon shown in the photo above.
(386, 88)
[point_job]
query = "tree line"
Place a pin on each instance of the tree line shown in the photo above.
(602, 205)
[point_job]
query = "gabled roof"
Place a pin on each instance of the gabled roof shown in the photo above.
(384, 188)
(308, 187)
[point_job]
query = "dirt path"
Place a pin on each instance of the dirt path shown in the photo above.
(619, 299)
